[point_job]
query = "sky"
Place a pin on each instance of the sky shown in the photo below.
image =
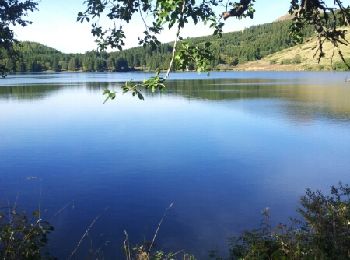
(55, 25)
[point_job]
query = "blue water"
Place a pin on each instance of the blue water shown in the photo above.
(222, 148)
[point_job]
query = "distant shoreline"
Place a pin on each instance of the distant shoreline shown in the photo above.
(249, 66)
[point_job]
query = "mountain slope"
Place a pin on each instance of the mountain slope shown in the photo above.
(301, 57)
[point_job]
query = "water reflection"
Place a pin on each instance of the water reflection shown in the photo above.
(31, 92)
(306, 101)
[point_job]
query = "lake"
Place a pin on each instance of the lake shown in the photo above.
(221, 147)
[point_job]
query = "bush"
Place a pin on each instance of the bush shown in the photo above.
(341, 66)
(286, 61)
(322, 233)
(295, 60)
(22, 238)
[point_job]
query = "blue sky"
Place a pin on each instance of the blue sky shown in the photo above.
(55, 25)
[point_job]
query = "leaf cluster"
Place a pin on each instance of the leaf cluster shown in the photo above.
(152, 84)
(191, 56)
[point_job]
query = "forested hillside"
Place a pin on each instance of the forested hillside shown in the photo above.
(232, 49)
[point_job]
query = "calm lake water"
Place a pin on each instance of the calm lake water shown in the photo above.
(222, 148)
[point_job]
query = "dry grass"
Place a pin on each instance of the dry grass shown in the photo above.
(285, 60)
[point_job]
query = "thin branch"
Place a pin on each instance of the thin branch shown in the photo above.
(332, 57)
(176, 40)
(86, 233)
(127, 246)
(63, 208)
(159, 224)
(40, 196)
(238, 9)
(143, 19)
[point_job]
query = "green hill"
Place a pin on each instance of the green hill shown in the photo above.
(231, 50)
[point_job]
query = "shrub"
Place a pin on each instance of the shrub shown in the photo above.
(21, 237)
(286, 61)
(341, 66)
(323, 232)
(296, 59)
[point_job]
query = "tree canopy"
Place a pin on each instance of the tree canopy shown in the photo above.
(12, 12)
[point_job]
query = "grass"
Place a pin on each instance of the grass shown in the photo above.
(302, 57)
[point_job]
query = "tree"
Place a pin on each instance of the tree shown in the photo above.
(121, 64)
(55, 66)
(72, 64)
(12, 13)
(165, 14)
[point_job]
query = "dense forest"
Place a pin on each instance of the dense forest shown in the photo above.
(230, 50)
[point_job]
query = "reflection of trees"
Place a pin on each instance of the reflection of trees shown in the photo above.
(27, 92)
(330, 102)
(307, 101)
(100, 86)
(41, 91)
(221, 89)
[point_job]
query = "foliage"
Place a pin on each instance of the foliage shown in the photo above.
(341, 66)
(22, 237)
(141, 253)
(295, 60)
(322, 233)
(190, 56)
(12, 13)
(153, 84)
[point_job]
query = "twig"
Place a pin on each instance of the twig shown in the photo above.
(63, 208)
(127, 246)
(176, 40)
(16, 201)
(9, 211)
(84, 236)
(159, 224)
(40, 196)
(143, 19)
(178, 252)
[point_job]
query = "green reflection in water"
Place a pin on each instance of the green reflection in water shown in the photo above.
(28, 92)
(306, 101)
